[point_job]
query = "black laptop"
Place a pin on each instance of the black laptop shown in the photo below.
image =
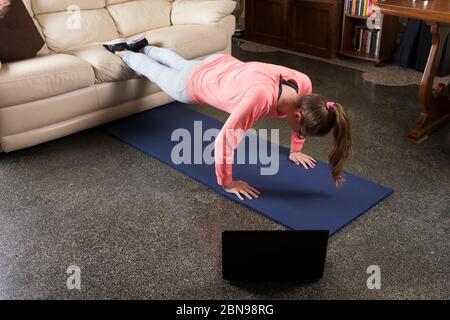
(274, 255)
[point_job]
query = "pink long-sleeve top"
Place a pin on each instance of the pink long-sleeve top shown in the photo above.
(246, 90)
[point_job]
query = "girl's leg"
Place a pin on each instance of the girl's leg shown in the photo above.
(166, 57)
(171, 81)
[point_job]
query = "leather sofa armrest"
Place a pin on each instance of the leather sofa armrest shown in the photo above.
(228, 23)
(201, 12)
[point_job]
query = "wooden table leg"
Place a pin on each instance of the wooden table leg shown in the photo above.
(434, 107)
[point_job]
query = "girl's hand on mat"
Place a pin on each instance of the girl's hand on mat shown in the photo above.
(302, 159)
(242, 189)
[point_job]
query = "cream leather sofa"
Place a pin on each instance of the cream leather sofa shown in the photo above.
(74, 84)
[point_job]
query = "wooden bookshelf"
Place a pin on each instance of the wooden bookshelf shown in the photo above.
(355, 17)
(352, 53)
(388, 28)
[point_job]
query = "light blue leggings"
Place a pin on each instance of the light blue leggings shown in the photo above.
(165, 68)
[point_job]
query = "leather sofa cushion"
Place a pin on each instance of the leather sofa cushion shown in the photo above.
(20, 39)
(65, 31)
(50, 6)
(109, 2)
(190, 41)
(107, 66)
(200, 12)
(132, 17)
(42, 77)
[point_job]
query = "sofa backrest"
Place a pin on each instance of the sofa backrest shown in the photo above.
(135, 16)
(68, 24)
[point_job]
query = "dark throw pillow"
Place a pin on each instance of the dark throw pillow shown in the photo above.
(19, 37)
(4, 7)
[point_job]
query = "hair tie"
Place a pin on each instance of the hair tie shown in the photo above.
(330, 105)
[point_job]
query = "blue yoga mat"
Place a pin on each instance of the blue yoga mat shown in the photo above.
(298, 199)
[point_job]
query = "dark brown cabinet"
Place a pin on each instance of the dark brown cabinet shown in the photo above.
(265, 21)
(307, 26)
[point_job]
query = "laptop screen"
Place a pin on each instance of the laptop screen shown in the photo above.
(288, 255)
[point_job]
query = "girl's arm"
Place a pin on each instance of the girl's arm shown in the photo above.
(234, 129)
(296, 142)
(297, 156)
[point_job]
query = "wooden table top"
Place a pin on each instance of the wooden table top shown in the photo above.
(431, 10)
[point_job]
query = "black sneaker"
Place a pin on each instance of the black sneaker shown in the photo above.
(137, 43)
(116, 45)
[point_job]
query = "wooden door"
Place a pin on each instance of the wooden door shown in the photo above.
(266, 21)
(313, 28)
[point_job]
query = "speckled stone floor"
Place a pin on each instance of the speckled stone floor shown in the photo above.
(141, 230)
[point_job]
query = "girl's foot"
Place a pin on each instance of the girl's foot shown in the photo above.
(137, 43)
(116, 45)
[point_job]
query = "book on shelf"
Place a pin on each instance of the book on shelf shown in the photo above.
(362, 8)
(366, 40)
